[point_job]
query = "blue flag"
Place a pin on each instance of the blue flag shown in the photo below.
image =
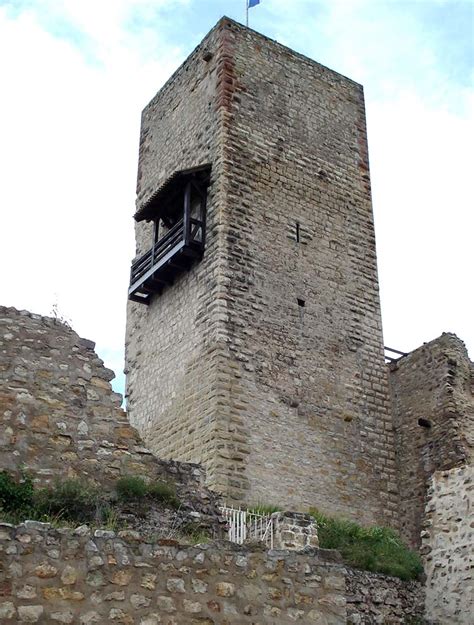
(253, 3)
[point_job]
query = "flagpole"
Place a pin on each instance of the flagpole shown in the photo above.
(247, 13)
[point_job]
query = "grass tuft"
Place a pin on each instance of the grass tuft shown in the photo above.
(70, 499)
(263, 509)
(376, 549)
(135, 488)
(131, 488)
(161, 491)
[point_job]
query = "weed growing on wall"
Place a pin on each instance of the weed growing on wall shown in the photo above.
(16, 496)
(76, 501)
(131, 488)
(71, 500)
(135, 488)
(264, 509)
(376, 549)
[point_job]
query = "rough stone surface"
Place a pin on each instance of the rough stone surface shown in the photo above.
(294, 530)
(383, 600)
(226, 367)
(213, 584)
(59, 413)
(434, 383)
(60, 418)
(448, 547)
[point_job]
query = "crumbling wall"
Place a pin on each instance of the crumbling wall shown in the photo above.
(60, 418)
(70, 576)
(378, 599)
(59, 413)
(448, 547)
(433, 410)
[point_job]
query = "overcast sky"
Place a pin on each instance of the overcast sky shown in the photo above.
(75, 74)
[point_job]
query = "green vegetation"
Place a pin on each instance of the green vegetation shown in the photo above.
(131, 488)
(135, 488)
(263, 509)
(16, 496)
(75, 501)
(71, 500)
(65, 501)
(193, 534)
(198, 538)
(376, 549)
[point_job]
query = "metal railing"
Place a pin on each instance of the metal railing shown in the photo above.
(244, 526)
(392, 355)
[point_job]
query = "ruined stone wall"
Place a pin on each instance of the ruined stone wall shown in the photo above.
(70, 576)
(433, 409)
(283, 403)
(448, 547)
(372, 598)
(59, 417)
(59, 413)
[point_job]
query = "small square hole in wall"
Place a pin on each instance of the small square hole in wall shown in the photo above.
(301, 302)
(424, 423)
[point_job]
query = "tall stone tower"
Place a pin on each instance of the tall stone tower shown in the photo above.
(254, 342)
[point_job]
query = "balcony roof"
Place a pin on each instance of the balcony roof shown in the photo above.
(165, 192)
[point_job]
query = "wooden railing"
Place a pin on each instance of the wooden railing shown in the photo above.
(157, 253)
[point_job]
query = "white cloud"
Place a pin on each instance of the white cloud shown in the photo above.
(420, 135)
(421, 169)
(69, 132)
(75, 76)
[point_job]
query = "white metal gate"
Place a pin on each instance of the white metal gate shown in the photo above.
(244, 526)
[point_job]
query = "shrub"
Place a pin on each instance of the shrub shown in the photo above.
(68, 500)
(71, 499)
(376, 549)
(135, 488)
(131, 488)
(161, 491)
(16, 495)
(193, 533)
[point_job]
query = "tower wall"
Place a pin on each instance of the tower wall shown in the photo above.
(285, 403)
(433, 410)
(173, 345)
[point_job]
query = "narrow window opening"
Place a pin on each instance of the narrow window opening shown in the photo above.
(424, 423)
(301, 302)
(297, 232)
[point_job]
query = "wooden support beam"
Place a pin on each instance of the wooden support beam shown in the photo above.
(187, 211)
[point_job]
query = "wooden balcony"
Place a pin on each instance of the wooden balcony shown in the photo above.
(177, 211)
(172, 254)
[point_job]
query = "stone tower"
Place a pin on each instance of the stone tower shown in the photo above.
(254, 341)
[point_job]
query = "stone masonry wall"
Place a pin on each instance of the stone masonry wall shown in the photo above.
(284, 401)
(434, 383)
(60, 418)
(372, 598)
(174, 347)
(70, 576)
(448, 547)
(304, 326)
